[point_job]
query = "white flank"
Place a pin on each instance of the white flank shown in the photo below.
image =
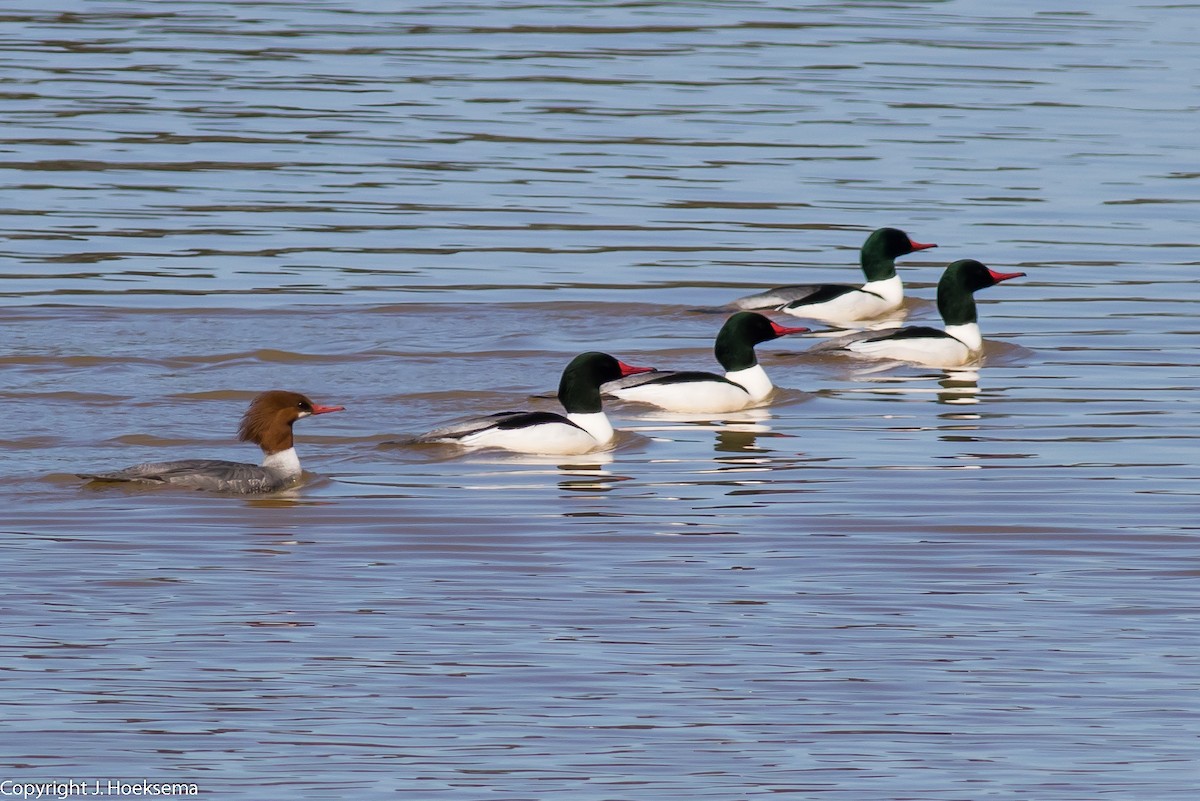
(931, 352)
(546, 438)
(875, 298)
(750, 386)
(691, 397)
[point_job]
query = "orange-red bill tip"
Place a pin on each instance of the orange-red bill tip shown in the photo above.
(629, 369)
(783, 330)
(318, 409)
(998, 277)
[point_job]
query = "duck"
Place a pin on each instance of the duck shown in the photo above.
(266, 423)
(583, 429)
(744, 384)
(959, 343)
(842, 304)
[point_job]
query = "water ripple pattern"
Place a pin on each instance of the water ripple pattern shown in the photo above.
(893, 583)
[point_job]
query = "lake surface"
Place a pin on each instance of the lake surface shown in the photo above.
(895, 583)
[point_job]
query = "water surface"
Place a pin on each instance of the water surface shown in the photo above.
(894, 583)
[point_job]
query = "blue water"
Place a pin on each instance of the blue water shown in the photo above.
(895, 583)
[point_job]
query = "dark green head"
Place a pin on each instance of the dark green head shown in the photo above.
(741, 332)
(579, 389)
(961, 280)
(882, 248)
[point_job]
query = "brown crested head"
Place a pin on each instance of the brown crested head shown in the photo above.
(268, 421)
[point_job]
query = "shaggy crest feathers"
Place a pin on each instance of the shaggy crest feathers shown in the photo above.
(260, 423)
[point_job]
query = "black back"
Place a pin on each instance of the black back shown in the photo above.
(912, 332)
(529, 419)
(823, 293)
(685, 376)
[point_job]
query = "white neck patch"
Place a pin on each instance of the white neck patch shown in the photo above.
(890, 289)
(754, 380)
(285, 462)
(596, 424)
(968, 334)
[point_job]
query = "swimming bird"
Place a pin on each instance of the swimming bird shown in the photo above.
(744, 384)
(959, 343)
(583, 428)
(267, 423)
(841, 303)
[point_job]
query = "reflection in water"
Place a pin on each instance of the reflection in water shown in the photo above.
(284, 499)
(957, 387)
(572, 175)
(736, 432)
(588, 461)
(741, 439)
(961, 387)
(589, 477)
(959, 423)
(748, 416)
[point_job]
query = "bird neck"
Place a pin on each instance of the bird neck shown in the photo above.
(968, 334)
(285, 461)
(890, 289)
(595, 423)
(734, 351)
(956, 304)
(579, 394)
(876, 266)
(752, 379)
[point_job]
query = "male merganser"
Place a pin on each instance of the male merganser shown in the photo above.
(744, 384)
(267, 423)
(584, 428)
(841, 303)
(959, 343)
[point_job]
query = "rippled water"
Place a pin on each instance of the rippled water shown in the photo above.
(895, 583)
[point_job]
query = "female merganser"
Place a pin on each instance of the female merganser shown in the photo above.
(959, 343)
(584, 428)
(841, 303)
(744, 384)
(267, 423)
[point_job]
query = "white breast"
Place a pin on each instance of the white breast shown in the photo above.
(286, 463)
(596, 424)
(754, 380)
(968, 334)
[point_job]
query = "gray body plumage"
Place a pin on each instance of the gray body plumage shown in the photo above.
(214, 475)
(776, 298)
